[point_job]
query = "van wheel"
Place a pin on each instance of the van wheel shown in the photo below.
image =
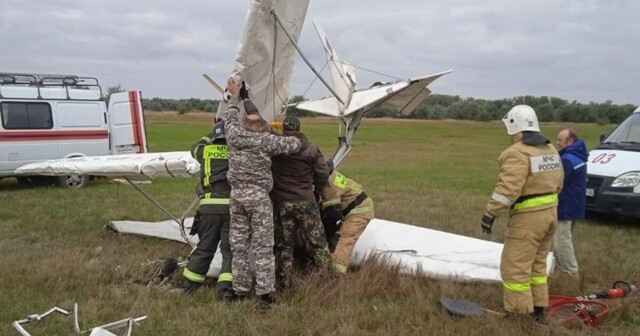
(74, 181)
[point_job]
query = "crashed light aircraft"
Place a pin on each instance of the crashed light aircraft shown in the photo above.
(265, 61)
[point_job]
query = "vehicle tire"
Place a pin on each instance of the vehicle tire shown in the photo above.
(74, 181)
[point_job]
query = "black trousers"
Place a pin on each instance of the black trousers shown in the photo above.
(212, 229)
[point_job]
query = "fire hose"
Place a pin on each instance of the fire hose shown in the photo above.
(587, 309)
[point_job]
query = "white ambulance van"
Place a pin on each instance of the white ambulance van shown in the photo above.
(613, 171)
(45, 117)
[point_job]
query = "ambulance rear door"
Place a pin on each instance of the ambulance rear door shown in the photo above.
(127, 134)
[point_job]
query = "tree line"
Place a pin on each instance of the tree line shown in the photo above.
(547, 108)
(438, 106)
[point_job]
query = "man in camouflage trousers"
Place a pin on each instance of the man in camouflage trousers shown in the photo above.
(296, 213)
(250, 151)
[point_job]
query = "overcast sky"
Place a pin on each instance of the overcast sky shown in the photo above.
(587, 50)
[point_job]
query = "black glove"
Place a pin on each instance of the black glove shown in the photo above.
(196, 224)
(244, 94)
(486, 223)
(331, 215)
(199, 190)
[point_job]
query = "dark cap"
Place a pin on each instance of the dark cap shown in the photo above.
(291, 123)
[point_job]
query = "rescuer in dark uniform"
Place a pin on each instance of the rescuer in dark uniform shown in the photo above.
(212, 219)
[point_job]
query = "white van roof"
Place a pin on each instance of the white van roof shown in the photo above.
(637, 110)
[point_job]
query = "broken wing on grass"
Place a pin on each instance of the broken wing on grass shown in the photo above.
(415, 249)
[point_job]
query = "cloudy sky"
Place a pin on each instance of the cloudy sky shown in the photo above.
(587, 50)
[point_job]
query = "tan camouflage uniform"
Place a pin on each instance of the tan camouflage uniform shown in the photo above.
(251, 210)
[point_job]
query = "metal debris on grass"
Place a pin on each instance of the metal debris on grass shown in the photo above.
(102, 330)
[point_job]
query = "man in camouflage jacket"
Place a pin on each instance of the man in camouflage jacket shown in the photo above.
(250, 151)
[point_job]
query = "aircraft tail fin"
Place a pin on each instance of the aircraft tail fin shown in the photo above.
(342, 74)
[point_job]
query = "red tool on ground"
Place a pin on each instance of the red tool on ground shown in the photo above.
(587, 308)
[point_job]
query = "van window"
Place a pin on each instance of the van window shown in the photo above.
(18, 115)
(79, 114)
(628, 131)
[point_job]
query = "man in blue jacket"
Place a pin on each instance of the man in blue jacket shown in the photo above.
(572, 199)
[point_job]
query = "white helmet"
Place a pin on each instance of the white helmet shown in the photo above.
(521, 118)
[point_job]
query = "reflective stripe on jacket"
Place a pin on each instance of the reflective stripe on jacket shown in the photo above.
(531, 172)
(214, 165)
(342, 190)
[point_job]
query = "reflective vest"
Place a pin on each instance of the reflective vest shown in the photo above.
(530, 179)
(343, 191)
(213, 156)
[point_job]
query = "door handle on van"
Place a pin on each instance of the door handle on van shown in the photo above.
(105, 117)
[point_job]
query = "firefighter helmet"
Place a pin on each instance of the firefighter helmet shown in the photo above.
(218, 130)
(521, 118)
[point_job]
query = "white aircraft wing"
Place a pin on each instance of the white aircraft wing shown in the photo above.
(414, 249)
(265, 56)
(402, 97)
(165, 164)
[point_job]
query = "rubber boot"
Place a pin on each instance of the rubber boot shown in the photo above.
(227, 295)
(539, 315)
(190, 287)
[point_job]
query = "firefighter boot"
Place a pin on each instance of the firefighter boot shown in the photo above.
(539, 315)
(227, 295)
(190, 287)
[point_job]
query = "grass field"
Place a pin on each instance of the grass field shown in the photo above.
(436, 174)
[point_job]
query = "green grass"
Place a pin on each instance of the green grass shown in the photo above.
(436, 174)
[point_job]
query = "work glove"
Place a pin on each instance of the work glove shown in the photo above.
(199, 190)
(244, 93)
(331, 215)
(486, 223)
(196, 224)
